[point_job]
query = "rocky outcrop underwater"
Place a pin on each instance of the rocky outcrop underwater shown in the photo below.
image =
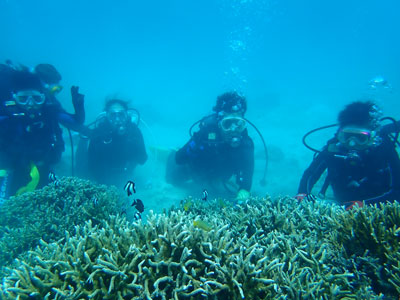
(261, 249)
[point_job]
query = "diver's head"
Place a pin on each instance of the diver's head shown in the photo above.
(358, 125)
(231, 102)
(28, 93)
(50, 77)
(230, 109)
(117, 115)
(232, 126)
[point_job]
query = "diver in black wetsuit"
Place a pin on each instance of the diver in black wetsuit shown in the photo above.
(113, 148)
(30, 135)
(220, 149)
(362, 163)
(50, 79)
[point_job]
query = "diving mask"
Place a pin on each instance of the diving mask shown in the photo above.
(232, 124)
(29, 97)
(356, 138)
(118, 119)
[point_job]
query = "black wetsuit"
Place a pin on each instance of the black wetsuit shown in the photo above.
(371, 175)
(209, 158)
(111, 158)
(25, 141)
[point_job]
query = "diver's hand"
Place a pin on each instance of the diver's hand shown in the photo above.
(77, 98)
(301, 196)
(78, 102)
(242, 195)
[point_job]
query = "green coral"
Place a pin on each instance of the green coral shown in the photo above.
(47, 213)
(371, 237)
(262, 249)
(298, 238)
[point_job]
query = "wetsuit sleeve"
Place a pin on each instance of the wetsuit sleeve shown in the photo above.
(245, 177)
(69, 121)
(394, 192)
(312, 173)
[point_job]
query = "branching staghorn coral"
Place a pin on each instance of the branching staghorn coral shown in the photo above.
(371, 237)
(47, 213)
(250, 253)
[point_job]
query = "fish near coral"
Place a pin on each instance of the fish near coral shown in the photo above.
(222, 203)
(53, 179)
(204, 195)
(202, 225)
(188, 204)
(130, 188)
(95, 200)
(137, 216)
(138, 204)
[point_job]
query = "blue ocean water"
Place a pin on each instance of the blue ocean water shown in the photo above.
(297, 62)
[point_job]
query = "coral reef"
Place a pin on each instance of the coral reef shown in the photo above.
(47, 213)
(262, 249)
(371, 237)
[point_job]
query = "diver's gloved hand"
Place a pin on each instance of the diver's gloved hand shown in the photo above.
(353, 204)
(242, 195)
(78, 101)
(77, 98)
(302, 196)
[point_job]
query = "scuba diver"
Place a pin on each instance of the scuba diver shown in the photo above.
(110, 152)
(50, 79)
(220, 149)
(31, 140)
(362, 164)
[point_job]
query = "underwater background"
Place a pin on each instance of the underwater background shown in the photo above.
(297, 62)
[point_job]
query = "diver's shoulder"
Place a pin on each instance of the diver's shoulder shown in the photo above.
(209, 121)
